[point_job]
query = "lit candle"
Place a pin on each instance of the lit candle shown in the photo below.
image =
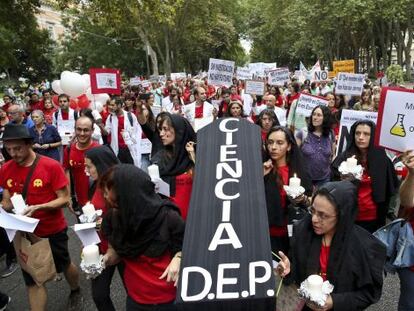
(154, 172)
(91, 254)
(351, 162)
(88, 209)
(294, 182)
(18, 203)
(315, 283)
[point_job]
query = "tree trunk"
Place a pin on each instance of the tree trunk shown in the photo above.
(167, 52)
(407, 50)
(149, 50)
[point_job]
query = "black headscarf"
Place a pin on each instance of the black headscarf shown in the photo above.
(174, 160)
(356, 258)
(379, 166)
(103, 158)
(275, 212)
(134, 227)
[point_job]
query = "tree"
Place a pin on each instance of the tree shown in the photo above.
(26, 50)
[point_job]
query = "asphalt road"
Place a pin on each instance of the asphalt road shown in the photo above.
(58, 291)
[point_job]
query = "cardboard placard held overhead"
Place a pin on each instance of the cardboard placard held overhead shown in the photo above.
(105, 80)
(254, 87)
(349, 84)
(307, 102)
(347, 65)
(220, 72)
(279, 76)
(244, 73)
(395, 126)
(227, 263)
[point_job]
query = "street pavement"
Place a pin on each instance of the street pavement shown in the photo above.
(58, 291)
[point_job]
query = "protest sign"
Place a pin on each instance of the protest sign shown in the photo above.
(320, 75)
(349, 84)
(279, 76)
(146, 83)
(231, 267)
(343, 66)
(395, 129)
(134, 81)
(178, 75)
(307, 102)
(259, 69)
(105, 80)
(220, 72)
(349, 117)
(254, 87)
(244, 73)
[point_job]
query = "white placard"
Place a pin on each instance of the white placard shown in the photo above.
(220, 72)
(349, 83)
(178, 75)
(259, 69)
(254, 87)
(279, 76)
(156, 110)
(146, 83)
(66, 127)
(146, 146)
(348, 118)
(244, 73)
(11, 223)
(135, 81)
(396, 120)
(106, 80)
(307, 102)
(87, 233)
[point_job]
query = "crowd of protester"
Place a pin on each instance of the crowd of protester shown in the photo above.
(84, 155)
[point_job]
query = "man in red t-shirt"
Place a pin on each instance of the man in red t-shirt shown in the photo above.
(74, 160)
(47, 192)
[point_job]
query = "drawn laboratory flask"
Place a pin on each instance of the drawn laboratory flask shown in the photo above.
(398, 128)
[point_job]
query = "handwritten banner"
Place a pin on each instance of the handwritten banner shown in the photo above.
(220, 72)
(254, 87)
(231, 267)
(343, 66)
(350, 83)
(244, 73)
(307, 102)
(278, 76)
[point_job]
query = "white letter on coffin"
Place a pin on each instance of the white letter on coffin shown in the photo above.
(233, 238)
(221, 280)
(252, 275)
(184, 284)
(218, 190)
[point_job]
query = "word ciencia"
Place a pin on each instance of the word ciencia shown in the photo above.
(229, 170)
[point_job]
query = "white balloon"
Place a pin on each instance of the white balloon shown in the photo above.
(102, 97)
(72, 84)
(56, 87)
(63, 73)
(87, 79)
(89, 94)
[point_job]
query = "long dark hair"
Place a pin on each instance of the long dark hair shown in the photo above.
(326, 124)
(270, 113)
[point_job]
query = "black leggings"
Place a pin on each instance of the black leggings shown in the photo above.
(6, 247)
(101, 288)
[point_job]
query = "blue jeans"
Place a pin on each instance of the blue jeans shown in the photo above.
(406, 302)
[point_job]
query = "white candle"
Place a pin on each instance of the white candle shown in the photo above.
(154, 172)
(315, 283)
(294, 182)
(91, 254)
(88, 209)
(18, 203)
(351, 162)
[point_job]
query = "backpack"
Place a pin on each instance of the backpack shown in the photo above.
(75, 115)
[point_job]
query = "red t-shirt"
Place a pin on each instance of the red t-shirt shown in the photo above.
(323, 260)
(65, 115)
(199, 111)
(48, 177)
(279, 101)
(98, 202)
(367, 209)
(183, 188)
(236, 97)
(281, 231)
(76, 162)
(49, 113)
(142, 281)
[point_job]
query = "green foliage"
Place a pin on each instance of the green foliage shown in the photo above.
(25, 49)
(395, 74)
